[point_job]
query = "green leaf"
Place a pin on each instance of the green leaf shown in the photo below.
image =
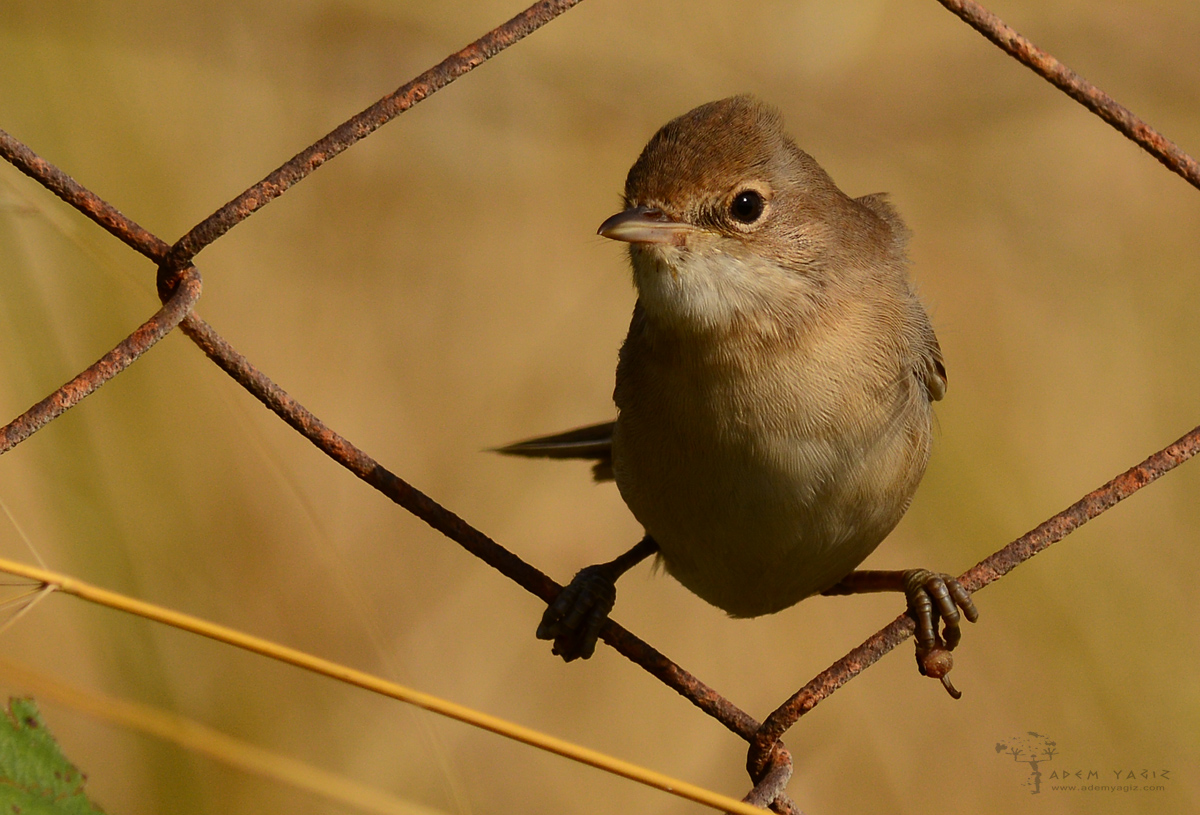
(35, 777)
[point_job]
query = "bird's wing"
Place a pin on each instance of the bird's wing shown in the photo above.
(934, 375)
(593, 443)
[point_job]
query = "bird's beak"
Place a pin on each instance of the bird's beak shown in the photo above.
(644, 225)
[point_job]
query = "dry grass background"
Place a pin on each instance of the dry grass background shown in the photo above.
(439, 290)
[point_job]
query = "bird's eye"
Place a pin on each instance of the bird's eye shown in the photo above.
(747, 206)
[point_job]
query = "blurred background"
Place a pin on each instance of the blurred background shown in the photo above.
(439, 290)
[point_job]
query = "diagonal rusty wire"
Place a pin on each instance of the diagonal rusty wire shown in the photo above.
(768, 762)
(1076, 87)
(982, 574)
(364, 124)
(175, 308)
(179, 293)
(83, 199)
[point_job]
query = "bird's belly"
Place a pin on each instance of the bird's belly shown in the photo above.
(756, 526)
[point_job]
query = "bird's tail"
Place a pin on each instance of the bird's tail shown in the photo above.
(593, 443)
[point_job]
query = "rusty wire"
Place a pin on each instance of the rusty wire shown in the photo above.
(770, 790)
(982, 574)
(83, 199)
(175, 308)
(364, 124)
(768, 762)
(1076, 87)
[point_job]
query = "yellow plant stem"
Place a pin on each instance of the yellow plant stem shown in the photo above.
(204, 740)
(375, 684)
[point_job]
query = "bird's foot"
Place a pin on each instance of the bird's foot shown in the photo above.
(933, 597)
(573, 621)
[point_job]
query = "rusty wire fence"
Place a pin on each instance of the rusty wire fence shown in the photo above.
(179, 286)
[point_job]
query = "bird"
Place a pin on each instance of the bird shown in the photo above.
(774, 391)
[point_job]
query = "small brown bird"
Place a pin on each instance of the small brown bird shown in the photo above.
(774, 391)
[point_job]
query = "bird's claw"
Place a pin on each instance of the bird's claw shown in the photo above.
(931, 597)
(573, 621)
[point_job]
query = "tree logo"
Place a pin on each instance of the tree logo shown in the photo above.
(1033, 749)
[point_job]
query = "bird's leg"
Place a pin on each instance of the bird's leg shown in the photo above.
(576, 616)
(931, 597)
